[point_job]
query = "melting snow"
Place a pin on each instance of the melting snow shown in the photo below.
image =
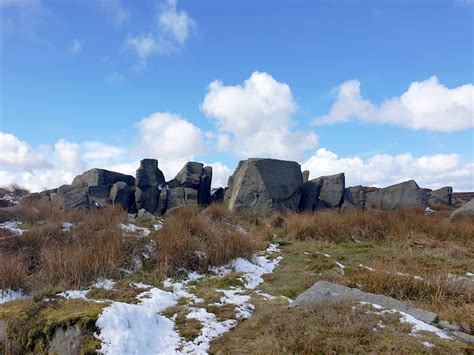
(74, 294)
(67, 226)
(10, 295)
(131, 228)
(12, 226)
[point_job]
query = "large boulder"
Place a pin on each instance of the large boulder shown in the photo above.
(264, 186)
(99, 195)
(403, 195)
(123, 195)
(95, 177)
(354, 197)
(149, 182)
(323, 192)
(442, 196)
(70, 197)
(466, 211)
(196, 176)
(172, 199)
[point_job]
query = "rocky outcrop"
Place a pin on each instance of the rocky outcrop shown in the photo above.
(217, 195)
(305, 176)
(178, 197)
(442, 196)
(466, 211)
(149, 183)
(326, 291)
(196, 176)
(323, 192)
(99, 177)
(123, 195)
(70, 197)
(264, 186)
(404, 195)
(354, 197)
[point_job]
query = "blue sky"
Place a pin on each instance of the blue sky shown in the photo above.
(382, 90)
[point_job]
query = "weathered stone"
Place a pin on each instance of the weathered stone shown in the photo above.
(466, 211)
(148, 174)
(123, 195)
(310, 195)
(149, 182)
(442, 196)
(217, 195)
(204, 192)
(180, 197)
(327, 291)
(305, 176)
(70, 197)
(189, 176)
(97, 177)
(402, 195)
(144, 214)
(264, 186)
(66, 341)
(354, 197)
(99, 195)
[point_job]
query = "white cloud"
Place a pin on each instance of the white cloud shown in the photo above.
(169, 35)
(116, 13)
(255, 119)
(431, 171)
(220, 174)
(170, 137)
(17, 153)
(176, 24)
(75, 47)
(425, 105)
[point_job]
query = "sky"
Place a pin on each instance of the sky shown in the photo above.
(381, 90)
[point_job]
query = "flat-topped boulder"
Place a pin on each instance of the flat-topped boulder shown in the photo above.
(97, 177)
(264, 186)
(195, 175)
(354, 197)
(403, 195)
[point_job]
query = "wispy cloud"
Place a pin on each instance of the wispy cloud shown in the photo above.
(115, 12)
(75, 47)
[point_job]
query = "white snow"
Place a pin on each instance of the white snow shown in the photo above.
(74, 294)
(327, 255)
(12, 226)
(106, 284)
(265, 295)
(158, 226)
(10, 295)
(131, 228)
(427, 344)
(67, 226)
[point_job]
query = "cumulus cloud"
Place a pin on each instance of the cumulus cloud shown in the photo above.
(220, 174)
(255, 119)
(169, 35)
(432, 171)
(426, 105)
(169, 136)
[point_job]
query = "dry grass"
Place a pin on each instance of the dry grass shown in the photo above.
(192, 239)
(409, 228)
(326, 328)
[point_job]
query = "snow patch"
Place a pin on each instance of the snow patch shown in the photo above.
(10, 295)
(12, 226)
(131, 228)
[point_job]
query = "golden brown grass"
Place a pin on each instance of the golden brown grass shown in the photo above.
(411, 229)
(192, 239)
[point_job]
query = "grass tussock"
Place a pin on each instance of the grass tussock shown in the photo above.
(193, 240)
(411, 229)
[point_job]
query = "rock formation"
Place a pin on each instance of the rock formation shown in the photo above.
(264, 186)
(402, 195)
(466, 211)
(323, 192)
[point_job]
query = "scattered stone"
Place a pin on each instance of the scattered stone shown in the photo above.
(403, 195)
(97, 177)
(66, 341)
(466, 211)
(264, 186)
(327, 291)
(144, 214)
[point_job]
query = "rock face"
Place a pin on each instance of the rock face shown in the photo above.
(66, 341)
(403, 195)
(327, 291)
(305, 176)
(354, 197)
(196, 176)
(217, 195)
(323, 192)
(150, 180)
(466, 211)
(442, 196)
(264, 186)
(70, 197)
(97, 177)
(123, 195)
(178, 197)
(99, 195)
